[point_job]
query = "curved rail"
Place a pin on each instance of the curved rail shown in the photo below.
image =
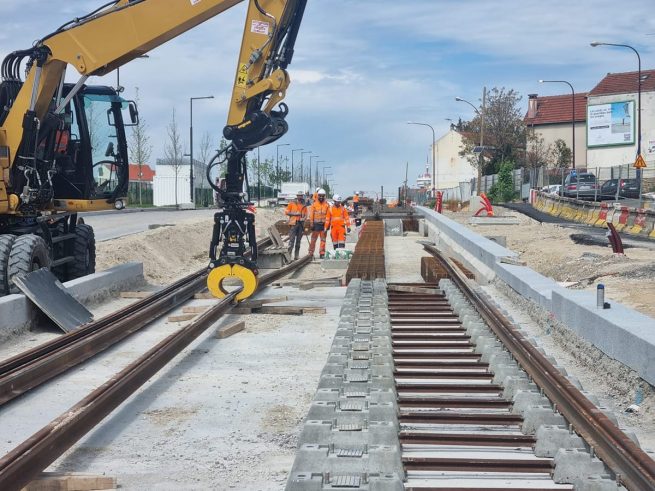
(631, 465)
(25, 462)
(30, 369)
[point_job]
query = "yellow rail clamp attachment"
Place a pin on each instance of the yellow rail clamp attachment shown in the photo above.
(245, 275)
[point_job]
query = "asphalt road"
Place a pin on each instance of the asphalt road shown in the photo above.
(115, 224)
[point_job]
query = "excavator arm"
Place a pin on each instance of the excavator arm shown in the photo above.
(34, 110)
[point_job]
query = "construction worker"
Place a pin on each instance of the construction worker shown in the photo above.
(297, 213)
(338, 221)
(315, 195)
(356, 203)
(318, 212)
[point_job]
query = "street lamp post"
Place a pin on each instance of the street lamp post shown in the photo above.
(596, 43)
(191, 99)
(481, 114)
(434, 164)
(310, 167)
(302, 163)
(292, 154)
(572, 111)
(277, 161)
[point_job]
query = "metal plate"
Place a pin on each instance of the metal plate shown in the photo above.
(49, 295)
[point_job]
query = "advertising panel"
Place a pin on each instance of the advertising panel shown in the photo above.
(611, 124)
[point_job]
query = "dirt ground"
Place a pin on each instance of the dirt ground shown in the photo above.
(549, 249)
(171, 252)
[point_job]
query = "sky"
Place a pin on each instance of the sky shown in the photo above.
(363, 68)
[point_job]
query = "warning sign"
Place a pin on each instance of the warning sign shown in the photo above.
(260, 27)
(242, 76)
(640, 163)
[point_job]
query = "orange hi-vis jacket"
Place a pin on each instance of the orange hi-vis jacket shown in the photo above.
(356, 199)
(337, 217)
(318, 212)
(296, 212)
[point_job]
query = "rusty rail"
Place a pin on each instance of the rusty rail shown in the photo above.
(368, 262)
(631, 465)
(30, 369)
(20, 466)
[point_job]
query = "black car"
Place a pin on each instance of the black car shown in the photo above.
(580, 186)
(628, 188)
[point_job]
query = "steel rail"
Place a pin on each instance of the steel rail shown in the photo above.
(20, 466)
(631, 465)
(30, 369)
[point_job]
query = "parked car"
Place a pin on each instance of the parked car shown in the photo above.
(628, 188)
(581, 186)
(552, 189)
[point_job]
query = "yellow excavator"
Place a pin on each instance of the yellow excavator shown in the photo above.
(63, 148)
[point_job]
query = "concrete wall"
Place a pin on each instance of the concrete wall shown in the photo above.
(18, 314)
(620, 332)
(451, 167)
(625, 154)
(552, 132)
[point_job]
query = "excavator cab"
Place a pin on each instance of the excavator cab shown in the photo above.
(91, 155)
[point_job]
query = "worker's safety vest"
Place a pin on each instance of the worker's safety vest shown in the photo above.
(318, 212)
(338, 217)
(356, 199)
(292, 209)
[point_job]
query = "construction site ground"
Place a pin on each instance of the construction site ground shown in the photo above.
(226, 413)
(550, 250)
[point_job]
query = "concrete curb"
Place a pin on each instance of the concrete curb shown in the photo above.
(18, 314)
(620, 332)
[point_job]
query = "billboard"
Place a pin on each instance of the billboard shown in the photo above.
(611, 124)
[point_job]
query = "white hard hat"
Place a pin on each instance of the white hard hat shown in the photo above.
(317, 189)
(321, 191)
(337, 197)
(300, 193)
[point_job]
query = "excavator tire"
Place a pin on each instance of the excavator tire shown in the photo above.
(6, 241)
(28, 253)
(84, 252)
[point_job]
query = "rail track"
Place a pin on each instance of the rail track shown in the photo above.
(26, 461)
(30, 369)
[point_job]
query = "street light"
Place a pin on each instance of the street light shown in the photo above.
(596, 43)
(191, 99)
(434, 164)
(120, 89)
(572, 110)
(292, 154)
(302, 163)
(481, 114)
(310, 167)
(277, 161)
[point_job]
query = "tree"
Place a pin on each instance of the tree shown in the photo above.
(504, 130)
(174, 152)
(503, 190)
(537, 154)
(140, 147)
(205, 154)
(562, 154)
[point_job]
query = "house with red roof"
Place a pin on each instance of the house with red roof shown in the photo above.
(554, 118)
(612, 129)
(147, 173)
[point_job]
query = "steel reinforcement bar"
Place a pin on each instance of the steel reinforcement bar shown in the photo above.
(30, 369)
(631, 465)
(20, 466)
(367, 262)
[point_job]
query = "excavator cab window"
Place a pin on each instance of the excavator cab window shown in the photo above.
(94, 167)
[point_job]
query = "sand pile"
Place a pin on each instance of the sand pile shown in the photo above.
(171, 252)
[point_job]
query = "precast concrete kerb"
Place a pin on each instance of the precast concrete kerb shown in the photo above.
(574, 464)
(350, 436)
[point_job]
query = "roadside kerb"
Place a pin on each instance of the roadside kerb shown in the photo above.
(18, 314)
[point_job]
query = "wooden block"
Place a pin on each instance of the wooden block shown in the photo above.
(412, 289)
(195, 310)
(56, 481)
(204, 296)
(314, 310)
(181, 318)
(226, 332)
(280, 310)
(241, 311)
(135, 294)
